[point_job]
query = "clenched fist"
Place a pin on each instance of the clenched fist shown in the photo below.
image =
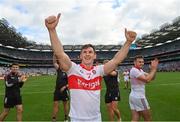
(154, 63)
(52, 21)
(130, 35)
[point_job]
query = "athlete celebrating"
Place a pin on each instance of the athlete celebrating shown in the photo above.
(84, 80)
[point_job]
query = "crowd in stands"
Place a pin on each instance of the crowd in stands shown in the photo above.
(169, 55)
(30, 71)
(163, 67)
(169, 66)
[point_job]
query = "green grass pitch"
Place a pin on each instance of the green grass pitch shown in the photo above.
(163, 95)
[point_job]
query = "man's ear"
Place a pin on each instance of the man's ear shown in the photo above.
(95, 56)
(80, 57)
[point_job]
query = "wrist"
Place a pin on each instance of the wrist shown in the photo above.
(51, 30)
(153, 69)
(128, 41)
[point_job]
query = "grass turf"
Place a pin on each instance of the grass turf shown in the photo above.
(163, 95)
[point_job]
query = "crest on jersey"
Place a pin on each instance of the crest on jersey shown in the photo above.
(81, 71)
(94, 71)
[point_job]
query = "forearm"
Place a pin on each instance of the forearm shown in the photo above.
(55, 43)
(122, 53)
(151, 75)
(117, 59)
(64, 88)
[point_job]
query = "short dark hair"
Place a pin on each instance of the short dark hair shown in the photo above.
(138, 56)
(87, 46)
(14, 64)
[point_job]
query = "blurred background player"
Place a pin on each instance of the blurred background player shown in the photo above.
(112, 95)
(14, 80)
(138, 78)
(126, 79)
(61, 91)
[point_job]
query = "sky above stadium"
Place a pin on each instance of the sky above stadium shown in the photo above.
(88, 21)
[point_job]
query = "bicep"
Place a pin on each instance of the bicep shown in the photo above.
(114, 73)
(109, 67)
(142, 78)
(65, 62)
(56, 66)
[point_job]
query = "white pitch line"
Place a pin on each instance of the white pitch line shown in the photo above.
(164, 84)
(48, 92)
(38, 92)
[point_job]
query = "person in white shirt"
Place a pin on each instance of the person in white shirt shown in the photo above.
(126, 78)
(84, 80)
(137, 100)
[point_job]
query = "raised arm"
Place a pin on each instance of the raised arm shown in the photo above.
(121, 54)
(51, 24)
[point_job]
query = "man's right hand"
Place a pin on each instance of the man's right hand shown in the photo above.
(154, 64)
(23, 78)
(52, 21)
(130, 35)
(63, 88)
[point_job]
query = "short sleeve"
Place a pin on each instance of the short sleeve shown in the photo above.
(101, 70)
(72, 68)
(135, 73)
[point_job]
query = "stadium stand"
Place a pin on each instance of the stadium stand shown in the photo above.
(163, 43)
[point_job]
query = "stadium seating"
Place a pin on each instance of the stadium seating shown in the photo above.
(38, 58)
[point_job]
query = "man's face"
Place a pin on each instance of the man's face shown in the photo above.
(139, 62)
(14, 68)
(87, 56)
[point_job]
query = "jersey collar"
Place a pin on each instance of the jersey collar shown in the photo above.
(85, 67)
(137, 68)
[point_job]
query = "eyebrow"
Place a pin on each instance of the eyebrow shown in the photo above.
(16, 67)
(140, 61)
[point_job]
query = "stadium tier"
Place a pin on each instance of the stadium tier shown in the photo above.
(167, 53)
(163, 44)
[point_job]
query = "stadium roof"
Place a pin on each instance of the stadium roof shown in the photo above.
(165, 34)
(68, 48)
(10, 37)
(97, 47)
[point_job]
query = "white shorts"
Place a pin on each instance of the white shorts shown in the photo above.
(126, 79)
(138, 104)
(97, 119)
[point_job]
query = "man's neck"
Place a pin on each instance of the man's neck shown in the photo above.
(88, 67)
(137, 67)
